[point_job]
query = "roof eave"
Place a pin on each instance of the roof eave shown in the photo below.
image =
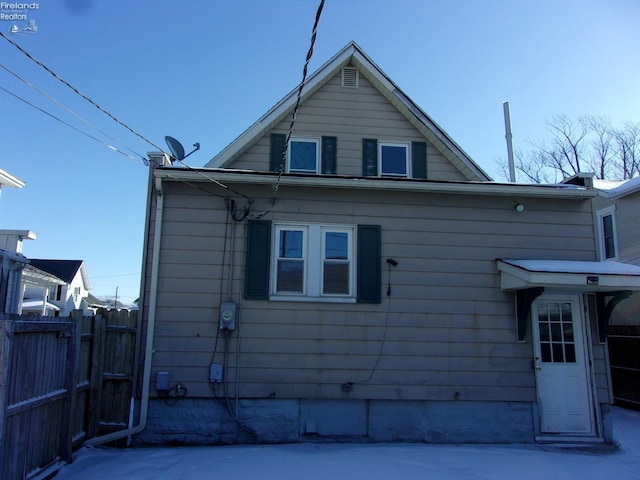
(376, 183)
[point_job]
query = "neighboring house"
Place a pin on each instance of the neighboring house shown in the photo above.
(12, 265)
(381, 288)
(12, 261)
(617, 213)
(67, 295)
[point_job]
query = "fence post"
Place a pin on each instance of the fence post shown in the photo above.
(97, 355)
(71, 374)
(6, 335)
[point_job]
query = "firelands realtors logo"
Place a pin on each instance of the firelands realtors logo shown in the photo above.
(19, 16)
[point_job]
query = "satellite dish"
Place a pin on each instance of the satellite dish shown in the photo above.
(177, 150)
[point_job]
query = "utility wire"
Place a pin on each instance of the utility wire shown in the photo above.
(58, 77)
(276, 187)
(69, 125)
(60, 104)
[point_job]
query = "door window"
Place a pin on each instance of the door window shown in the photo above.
(555, 323)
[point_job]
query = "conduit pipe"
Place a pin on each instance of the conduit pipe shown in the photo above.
(151, 324)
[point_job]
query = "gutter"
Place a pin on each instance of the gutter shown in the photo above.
(151, 324)
(378, 183)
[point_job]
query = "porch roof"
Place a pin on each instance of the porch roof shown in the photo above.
(577, 275)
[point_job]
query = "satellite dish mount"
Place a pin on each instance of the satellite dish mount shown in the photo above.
(177, 150)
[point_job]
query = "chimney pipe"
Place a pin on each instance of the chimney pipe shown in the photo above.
(509, 137)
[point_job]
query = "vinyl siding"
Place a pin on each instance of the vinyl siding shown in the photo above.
(446, 328)
(628, 228)
(350, 115)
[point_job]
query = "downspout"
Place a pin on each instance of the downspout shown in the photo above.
(151, 323)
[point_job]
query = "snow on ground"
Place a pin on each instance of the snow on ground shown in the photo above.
(371, 461)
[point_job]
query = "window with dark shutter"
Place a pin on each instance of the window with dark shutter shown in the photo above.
(369, 264)
(276, 151)
(329, 155)
(256, 284)
(418, 160)
(369, 157)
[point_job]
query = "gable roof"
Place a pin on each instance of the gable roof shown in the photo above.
(65, 270)
(353, 54)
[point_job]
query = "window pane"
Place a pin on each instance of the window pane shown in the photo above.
(558, 356)
(570, 353)
(608, 235)
(556, 332)
(336, 246)
(303, 156)
(567, 327)
(336, 278)
(545, 352)
(290, 244)
(544, 332)
(394, 160)
(290, 274)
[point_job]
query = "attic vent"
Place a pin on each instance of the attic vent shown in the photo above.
(350, 77)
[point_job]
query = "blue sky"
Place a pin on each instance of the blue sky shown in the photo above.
(203, 71)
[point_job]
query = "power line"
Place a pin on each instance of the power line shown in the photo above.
(276, 187)
(59, 78)
(69, 125)
(60, 104)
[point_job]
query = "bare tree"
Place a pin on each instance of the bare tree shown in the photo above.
(602, 146)
(627, 140)
(590, 144)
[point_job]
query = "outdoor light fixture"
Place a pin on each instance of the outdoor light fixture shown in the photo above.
(519, 208)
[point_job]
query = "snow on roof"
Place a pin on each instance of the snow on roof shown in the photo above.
(572, 266)
(617, 188)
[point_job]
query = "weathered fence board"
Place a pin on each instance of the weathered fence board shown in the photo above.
(62, 381)
(39, 395)
(624, 359)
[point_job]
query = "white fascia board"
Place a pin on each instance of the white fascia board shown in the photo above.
(463, 188)
(9, 180)
(35, 276)
(516, 278)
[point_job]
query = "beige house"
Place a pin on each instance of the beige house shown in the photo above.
(617, 217)
(371, 284)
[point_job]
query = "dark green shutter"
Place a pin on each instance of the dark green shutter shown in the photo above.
(276, 151)
(418, 160)
(369, 264)
(369, 157)
(329, 151)
(256, 278)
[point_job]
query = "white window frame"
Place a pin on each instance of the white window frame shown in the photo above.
(313, 140)
(600, 215)
(407, 148)
(314, 258)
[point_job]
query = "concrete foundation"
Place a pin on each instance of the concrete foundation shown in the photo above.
(211, 422)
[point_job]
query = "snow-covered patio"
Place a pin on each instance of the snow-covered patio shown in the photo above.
(371, 461)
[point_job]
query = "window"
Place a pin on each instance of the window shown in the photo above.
(313, 260)
(54, 292)
(607, 233)
(303, 155)
(394, 159)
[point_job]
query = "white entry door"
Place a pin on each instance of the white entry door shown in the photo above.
(562, 371)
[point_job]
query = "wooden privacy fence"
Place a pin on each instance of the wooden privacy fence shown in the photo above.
(624, 359)
(62, 381)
